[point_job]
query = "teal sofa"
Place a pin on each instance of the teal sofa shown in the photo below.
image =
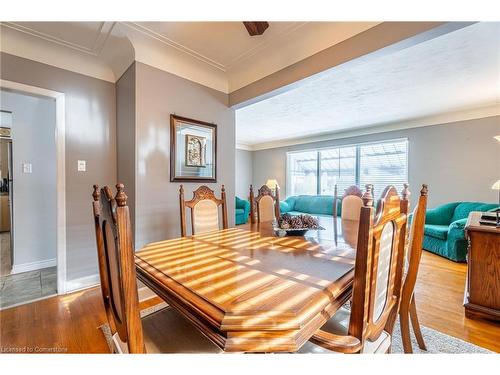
(318, 205)
(444, 228)
(242, 210)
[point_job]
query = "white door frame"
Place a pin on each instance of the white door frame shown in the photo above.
(61, 171)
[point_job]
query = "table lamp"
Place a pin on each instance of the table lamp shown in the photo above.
(272, 184)
(496, 186)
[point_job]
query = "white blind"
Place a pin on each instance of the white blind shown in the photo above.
(338, 166)
(302, 173)
(380, 164)
(383, 164)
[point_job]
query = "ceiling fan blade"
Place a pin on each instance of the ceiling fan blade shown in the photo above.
(256, 28)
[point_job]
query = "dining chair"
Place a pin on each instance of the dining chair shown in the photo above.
(351, 203)
(265, 206)
(204, 210)
(164, 331)
(408, 308)
(368, 327)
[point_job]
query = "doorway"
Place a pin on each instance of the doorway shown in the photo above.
(6, 241)
(29, 198)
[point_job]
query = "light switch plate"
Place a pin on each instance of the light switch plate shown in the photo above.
(27, 168)
(82, 166)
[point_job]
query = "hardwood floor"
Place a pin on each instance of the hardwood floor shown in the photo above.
(70, 323)
(440, 294)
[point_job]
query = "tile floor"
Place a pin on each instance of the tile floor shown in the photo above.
(5, 266)
(27, 286)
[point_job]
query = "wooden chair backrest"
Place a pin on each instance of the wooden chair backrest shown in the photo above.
(379, 264)
(352, 204)
(116, 266)
(266, 205)
(204, 210)
(414, 246)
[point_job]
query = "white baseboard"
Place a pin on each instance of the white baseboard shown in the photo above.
(82, 283)
(93, 280)
(33, 266)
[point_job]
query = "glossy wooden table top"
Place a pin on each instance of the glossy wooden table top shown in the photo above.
(249, 290)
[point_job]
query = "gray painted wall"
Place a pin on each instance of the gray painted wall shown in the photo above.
(159, 94)
(459, 161)
(244, 173)
(90, 136)
(125, 135)
(34, 194)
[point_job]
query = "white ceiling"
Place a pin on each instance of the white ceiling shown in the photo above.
(453, 72)
(220, 55)
(222, 44)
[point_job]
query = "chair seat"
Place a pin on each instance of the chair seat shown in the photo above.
(166, 331)
(338, 325)
(436, 231)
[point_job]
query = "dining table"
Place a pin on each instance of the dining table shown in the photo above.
(248, 290)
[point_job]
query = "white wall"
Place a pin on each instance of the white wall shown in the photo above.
(244, 173)
(459, 160)
(34, 194)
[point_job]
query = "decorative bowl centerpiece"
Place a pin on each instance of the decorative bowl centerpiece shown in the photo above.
(295, 225)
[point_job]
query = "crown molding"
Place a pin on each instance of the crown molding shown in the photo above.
(148, 46)
(244, 146)
(490, 110)
(223, 67)
(265, 44)
(43, 51)
(102, 36)
(162, 38)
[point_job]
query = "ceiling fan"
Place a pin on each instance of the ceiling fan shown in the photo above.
(256, 28)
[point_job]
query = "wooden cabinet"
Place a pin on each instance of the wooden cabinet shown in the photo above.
(4, 213)
(482, 290)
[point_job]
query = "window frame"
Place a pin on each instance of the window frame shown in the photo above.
(358, 160)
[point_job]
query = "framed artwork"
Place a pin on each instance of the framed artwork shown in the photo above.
(5, 124)
(196, 151)
(5, 132)
(193, 150)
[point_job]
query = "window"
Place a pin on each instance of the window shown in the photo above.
(303, 173)
(383, 164)
(338, 166)
(317, 171)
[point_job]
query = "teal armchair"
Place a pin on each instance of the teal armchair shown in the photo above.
(242, 210)
(444, 232)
